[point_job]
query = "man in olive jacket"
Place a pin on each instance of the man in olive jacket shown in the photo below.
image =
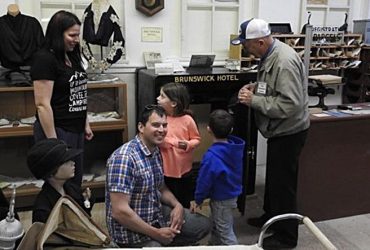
(280, 101)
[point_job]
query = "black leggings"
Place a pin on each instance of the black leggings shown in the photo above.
(182, 188)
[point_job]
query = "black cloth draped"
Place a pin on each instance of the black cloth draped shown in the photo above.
(20, 37)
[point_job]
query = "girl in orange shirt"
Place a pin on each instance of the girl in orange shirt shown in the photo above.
(181, 139)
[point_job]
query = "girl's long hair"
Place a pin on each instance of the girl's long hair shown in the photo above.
(178, 93)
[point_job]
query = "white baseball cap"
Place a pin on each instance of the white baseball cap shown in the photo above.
(251, 29)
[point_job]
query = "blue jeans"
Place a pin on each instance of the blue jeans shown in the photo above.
(223, 222)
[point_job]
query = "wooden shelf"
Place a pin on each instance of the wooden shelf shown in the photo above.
(95, 126)
(32, 190)
(16, 131)
(89, 86)
(291, 39)
(349, 46)
(326, 46)
(105, 85)
(109, 125)
(15, 89)
(289, 36)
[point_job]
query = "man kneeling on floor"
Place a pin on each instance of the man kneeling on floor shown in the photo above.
(141, 210)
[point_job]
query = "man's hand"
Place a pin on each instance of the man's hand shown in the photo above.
(165, 235)
(177, 217)
(246, 94)
(194, 207)
(249, 87)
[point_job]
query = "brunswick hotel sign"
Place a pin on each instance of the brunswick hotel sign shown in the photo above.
(206, 78)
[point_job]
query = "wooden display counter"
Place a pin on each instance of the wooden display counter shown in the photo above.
(334, 173)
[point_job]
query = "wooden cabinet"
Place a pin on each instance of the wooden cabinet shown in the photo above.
(322, 57)
(107, 110)
(333, 178)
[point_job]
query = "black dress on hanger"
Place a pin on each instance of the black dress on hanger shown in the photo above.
(21, 36)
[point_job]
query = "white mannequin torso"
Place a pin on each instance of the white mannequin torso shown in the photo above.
(99, 7)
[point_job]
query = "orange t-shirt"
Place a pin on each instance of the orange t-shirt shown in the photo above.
(176, 161)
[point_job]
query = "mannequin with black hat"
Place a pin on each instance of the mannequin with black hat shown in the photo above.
(51, 160)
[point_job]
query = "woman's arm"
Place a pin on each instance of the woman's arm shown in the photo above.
(43, 90)
(88, 132)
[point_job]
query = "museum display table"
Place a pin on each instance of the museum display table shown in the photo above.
(334, 174)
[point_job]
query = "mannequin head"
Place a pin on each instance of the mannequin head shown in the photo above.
(52, 157)
(13, 9)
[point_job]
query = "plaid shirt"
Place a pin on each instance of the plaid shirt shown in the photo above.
(134, 170)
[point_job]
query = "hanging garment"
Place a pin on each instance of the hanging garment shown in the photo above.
(108, 26)
(21, 36)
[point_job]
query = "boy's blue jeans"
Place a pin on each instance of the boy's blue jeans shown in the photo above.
(223, 222)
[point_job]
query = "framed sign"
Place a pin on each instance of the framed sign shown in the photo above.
(151, 34)
(327, 36)
(149, 7)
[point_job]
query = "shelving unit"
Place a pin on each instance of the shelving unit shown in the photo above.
(322, 57)
(18, 102)
(357, 88)
(327, 56)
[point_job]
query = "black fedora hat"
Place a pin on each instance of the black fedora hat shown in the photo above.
(47, 155)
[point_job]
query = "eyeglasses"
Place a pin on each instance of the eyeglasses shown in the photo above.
(152, 106)
(155, 107)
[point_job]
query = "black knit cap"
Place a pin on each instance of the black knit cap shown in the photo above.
(47, 155)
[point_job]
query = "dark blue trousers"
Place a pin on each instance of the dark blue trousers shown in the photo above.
(281, 182)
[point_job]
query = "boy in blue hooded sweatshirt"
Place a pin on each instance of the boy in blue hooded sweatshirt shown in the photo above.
(220, 177)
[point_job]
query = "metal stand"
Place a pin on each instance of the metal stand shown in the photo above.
(305, 220)
(307, 50)
(101, 77)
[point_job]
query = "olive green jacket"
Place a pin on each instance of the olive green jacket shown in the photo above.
(282, 109)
